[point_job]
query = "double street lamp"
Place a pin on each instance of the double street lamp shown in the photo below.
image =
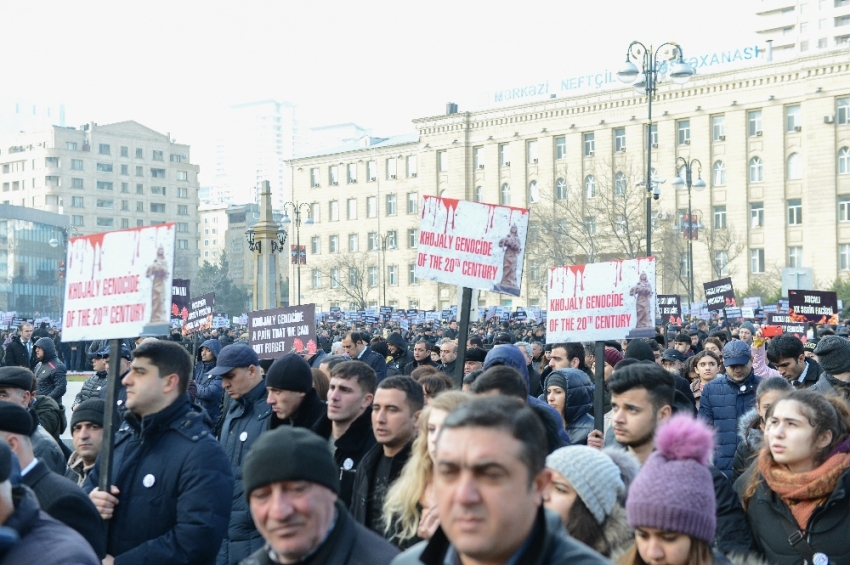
(296, 211)
(699, 184)
(680, 73)
(386, 241)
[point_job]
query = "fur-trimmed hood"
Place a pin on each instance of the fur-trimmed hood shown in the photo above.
(618, 534)
(749, 431)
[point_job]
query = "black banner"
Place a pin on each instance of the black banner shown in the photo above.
(719, 294)
(275, 332)
(200, 314)
(670, 309)
(180, 298)
(813, 306)
(788, 325)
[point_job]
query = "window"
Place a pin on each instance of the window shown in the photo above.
(411, 275)
(560, 147)
(103, 149)
(125, 169)
(844, 256)
(106, 222)
(844, 161)
(719, 217)
(505, 155)
(333, 177)
(531, 150)
(412, 238)
(653, 135)
(756, 170)
(158, 173)
(314, 177)
(721, 263)
(77, 164)
(619, 184)
(795, 257)
(560, 189)
(352, 173)
(182, 227)
(125, 151)
(333, 211)
(158, 190)
(334, 278)
(371, 171)
(181, 243)
(316, 278)
(104, 167)
(505, 195)
(139, 153)
(478, 157)
(590, 186)
(157, 208)
(754, 123)
(76, 183)
(792, 118)
(794, 168)
(391, 205)
(103, 185)
(182, 210)
(353, 242)
(181, 192)
(479, 194)
(77, 202)
(589, 144)
(719, 174)
(125, 205)
(412, 203)
(391, 239)
(392, 275)
(140, 171)
(843, 116)
(77, 221)
(315, 245)
(757, 215)
(683, 128)
(140, 189)
(71, 145)
(804, 45)
(590, 225)
(391, 168)
(352, 208)
(533, 193)
(620, 140)
(157, 155)
(182, 175)
(372, 207)
(333, 244)
(315, 211)
(718, 128)
(140, 223)
(372, 241)
(140, 206)
(795, 212)
(756, 260)
(411, 166)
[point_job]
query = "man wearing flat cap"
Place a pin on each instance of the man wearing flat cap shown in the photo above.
(292, 484)
(59, 497)
(294, 402)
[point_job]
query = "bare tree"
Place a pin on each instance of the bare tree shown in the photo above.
(347, 277)
(724, 245)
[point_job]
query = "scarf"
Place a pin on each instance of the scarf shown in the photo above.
(804, 492)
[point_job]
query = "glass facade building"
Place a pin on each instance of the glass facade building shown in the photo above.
(32, 261)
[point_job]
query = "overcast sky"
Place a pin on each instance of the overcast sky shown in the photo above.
(176, 65)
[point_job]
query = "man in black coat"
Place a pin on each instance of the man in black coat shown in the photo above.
(357, 346)
(421, 356)
(50, 372)
(291, 478)
(57, 496)
(401, 356)
(448, 357)
(289, 387)
(21, 350)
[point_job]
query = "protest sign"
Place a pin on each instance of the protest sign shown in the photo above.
(180, 298)
(670, 309)
(602, 301)
(747, 312)
(788, 325)
(472, 244)
(753, 302)
(719, 294)
(118, 284)
(275, 332)
(200, 314)
(813, 306)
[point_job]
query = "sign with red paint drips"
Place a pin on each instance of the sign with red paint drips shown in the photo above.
(472, 244)
(118, 283)
(602, 301)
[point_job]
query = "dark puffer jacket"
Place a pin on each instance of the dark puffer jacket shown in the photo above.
(577, 405)
(91, 387)
(210, 391)
(723, 401)
(400, 359)
(50, 372)
(750, 437)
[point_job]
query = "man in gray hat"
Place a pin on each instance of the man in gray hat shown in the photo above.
(834, 355)
(292, 486)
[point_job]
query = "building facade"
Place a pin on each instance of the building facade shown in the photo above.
(772, 142)
(803, 26)
(104, 178)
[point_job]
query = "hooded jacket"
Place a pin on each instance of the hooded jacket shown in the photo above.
(577, 405)
(350, 449)
(750, 439)
(403, 357)
(50, 372)
(210, 391)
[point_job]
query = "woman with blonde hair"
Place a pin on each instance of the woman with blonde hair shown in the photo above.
(410, 513)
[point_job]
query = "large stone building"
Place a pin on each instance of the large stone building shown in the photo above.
(106, 177)
(773, 140)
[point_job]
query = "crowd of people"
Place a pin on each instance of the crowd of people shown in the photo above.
(718, 445)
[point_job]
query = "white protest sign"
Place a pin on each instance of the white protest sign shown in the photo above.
(472, 244)
(602, 301)
(118, 284)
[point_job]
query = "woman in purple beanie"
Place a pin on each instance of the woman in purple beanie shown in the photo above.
(671, 503)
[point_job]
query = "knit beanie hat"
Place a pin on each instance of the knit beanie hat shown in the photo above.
(674, 490)
(833, 354)
(593, 474)
(557, 378)
(290, 372)
(748, 326)
(640, 350)
(90, 410)
(289, 454)
(612, 356)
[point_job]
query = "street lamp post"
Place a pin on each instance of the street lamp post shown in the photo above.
(385, 242)
(266, 293)
(680, 72)
(296, 211)
(699, 184)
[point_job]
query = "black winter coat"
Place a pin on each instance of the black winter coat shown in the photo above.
(311, 410)
(91, 387)
(16, 355)
(66, 502)
(168, 467)
(363, 482)
(376, 361)
(50, 372)
(348, 543)
(414, 364)
(350, 449)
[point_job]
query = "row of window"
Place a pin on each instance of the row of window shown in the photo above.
(794, 258)
(124, 151)
(125, 205)
(390, 168)
(371, 274)
(390, 207)
(375, 242)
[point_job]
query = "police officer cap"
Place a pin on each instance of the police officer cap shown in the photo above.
(17, 377)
